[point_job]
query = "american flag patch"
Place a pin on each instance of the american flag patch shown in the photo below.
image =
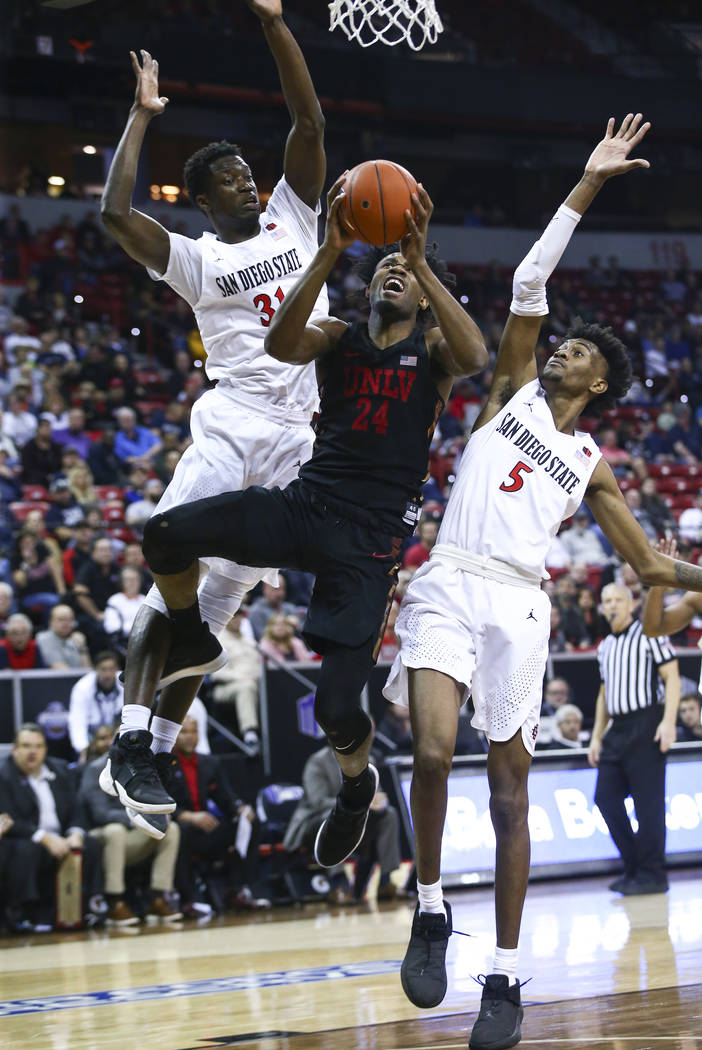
(409, 362)
(275, 231)
(587, 451)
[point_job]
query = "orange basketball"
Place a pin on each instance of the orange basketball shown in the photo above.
(378, 192)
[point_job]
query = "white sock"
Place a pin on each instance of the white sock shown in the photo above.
(134, 716)
(431, 899)
(164, 733)
(506, 960)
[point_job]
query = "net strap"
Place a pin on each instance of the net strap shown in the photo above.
(390, 22)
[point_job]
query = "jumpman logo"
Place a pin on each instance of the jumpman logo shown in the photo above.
(532, 617)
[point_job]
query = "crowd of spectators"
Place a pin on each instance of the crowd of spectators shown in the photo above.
(99, 368)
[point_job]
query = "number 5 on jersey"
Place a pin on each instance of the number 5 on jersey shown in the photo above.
(516, 476)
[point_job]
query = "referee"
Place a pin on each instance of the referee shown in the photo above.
(630, 738)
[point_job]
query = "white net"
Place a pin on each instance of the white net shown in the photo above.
(391, 22)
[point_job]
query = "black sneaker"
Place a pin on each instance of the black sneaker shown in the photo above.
(618, 884)
(131, 773)
(499, 1023)
(641, 885)
(201, 655)
(155, 824)
(423, 972)
(342, 831)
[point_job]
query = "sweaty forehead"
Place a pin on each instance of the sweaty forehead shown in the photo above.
(232, 162)
(394, 259)
(582, 344)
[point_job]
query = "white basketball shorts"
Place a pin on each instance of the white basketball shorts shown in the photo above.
(233, 448)
(491, 637)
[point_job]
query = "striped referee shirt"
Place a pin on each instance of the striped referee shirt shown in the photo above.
(629, 663)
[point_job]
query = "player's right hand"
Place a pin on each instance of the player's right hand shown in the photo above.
(336, 234)
(668, 545)
(146, 96)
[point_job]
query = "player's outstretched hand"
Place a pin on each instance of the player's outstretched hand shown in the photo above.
(414, 244)
(609, 156)
(266, 9)
(668, 545)
(146, 95)
(337, 236)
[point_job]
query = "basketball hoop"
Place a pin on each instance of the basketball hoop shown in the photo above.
(391, 22)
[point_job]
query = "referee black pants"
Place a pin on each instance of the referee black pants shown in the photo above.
(631, 764)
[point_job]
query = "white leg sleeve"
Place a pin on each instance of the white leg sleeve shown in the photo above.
(529, 283)
(219, 596)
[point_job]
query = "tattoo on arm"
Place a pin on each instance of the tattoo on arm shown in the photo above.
(688, 575)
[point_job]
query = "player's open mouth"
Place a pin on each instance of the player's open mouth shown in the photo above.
(393, 284)
(556, 361)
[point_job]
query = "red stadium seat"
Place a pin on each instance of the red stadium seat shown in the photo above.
(112, 512)
(22, 509)
(123, 533)
(108, 492)
(35, 492)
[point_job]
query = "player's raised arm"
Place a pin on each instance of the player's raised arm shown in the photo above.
(657, 620)
(290, 338)
(305, 164)
(456, 345)
(623, 531)
(141, 236)
(516, 361)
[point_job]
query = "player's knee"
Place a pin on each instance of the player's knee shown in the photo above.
(432, 762)
(160, 546)
(345, 729)
(508, 809)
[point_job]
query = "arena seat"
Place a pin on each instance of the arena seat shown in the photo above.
(109, 492)
(21, 509)
(35, 492)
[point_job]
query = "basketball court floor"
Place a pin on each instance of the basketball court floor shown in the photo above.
(608, 973)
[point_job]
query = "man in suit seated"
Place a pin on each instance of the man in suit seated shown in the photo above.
(380, 842)
(123, 846)
(40, 796)
(13, 858)
(214, 823)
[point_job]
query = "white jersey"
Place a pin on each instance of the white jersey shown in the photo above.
(518, 479)
(234, 291)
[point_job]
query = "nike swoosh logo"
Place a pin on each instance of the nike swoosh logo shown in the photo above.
(374, 555)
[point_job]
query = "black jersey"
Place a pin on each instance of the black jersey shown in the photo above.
(377, 415)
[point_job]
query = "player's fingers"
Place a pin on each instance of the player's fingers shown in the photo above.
(411, 224)
(164, 100)
(610, 128)
(640, 133)
(625, 125)
(335, 189)
(135, 63)
(636, 120)
(426, 200)
(155, 67)
(419, 209)
(638, 163)
(146, 56)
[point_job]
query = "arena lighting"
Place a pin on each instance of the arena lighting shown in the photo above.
(90, 150)
(464, 299)
(78, 299)
(56, 180)
(173, 190)
(136, 331)
(683, 399)
(197, 364)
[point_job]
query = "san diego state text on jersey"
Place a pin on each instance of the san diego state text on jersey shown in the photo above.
(259, 273)
(529, 445)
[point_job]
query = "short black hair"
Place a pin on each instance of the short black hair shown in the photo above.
(197, 168)
(619, 374)
(30, 727)
(367, 264)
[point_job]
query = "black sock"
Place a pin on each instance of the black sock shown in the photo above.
(187, 623)
(357, 791)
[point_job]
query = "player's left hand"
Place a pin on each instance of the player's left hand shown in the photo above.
(266, 9)
(609, 156)
(665, 735)
(336, 234)
(414, 244)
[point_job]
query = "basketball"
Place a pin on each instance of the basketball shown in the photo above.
(378, 192)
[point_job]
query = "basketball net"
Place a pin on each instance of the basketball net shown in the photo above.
(391, 22)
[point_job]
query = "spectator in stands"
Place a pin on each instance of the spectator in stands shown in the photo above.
(567, 729)
(677, 348)
(580, 542)
(54, 409)
(122, 607)
(65, 511)
(100, 741)
(196, 781)
(595, 623)
(556, 693)
(320, 779)
(690, 719)
(655, 507)
(41, 456)
(280, 642)
(633, 502)
(18, 424)
(139, 512)
(39, 794)
(80, 481)
(18, 650)
(690, 521)
(271, 601)
(182, 368)
(133, 443)
(237, 682)
(96, 699)
(16, 855)
(62, 646)
(685, 438)
(10, 489)
(75, 435)
(123, 846)
(37, 575)
(672, 288)
(95, 583)
(7, 445)
(7, 605)
(419, 552)
(78, 551)
(616, 456)
(395, 727)
(134, 492)
(107, 468)
(595, 276)
(134, 557)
